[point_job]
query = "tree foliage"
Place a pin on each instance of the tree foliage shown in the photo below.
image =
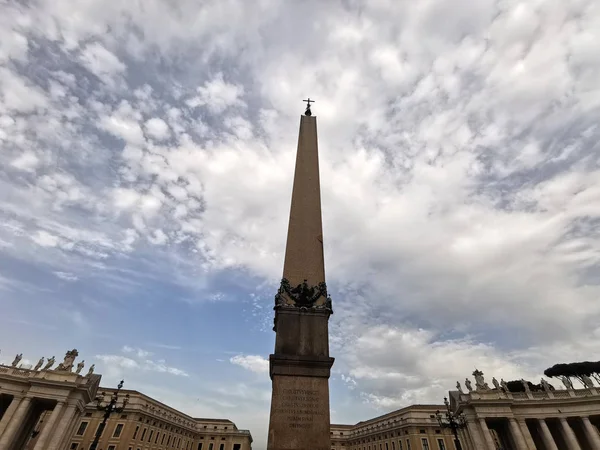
(517, 386)
(575, 370)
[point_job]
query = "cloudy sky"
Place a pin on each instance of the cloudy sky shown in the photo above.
(146, 163)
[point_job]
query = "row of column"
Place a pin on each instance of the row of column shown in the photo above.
(53, 433)
(481, 436)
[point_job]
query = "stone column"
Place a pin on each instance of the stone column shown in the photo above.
(590, 432)
(15, 424)
(547, 436)
(487, 436)
(49, 427)
(569, 435)
(517, 435)
(71, 430)
(9, 413)
(63, 425)
(475, 435)
(526, 434)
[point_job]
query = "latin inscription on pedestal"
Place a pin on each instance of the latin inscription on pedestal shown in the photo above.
(299, 414)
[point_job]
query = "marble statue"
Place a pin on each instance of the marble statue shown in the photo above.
(49, 363)
(504, 385)
(459, 388)
(495, 383)
(67, 364)
(91, 371)
(587, 382)
(17, 359)
(39, 364)
(80, 366)
(525, 385)
(480, 381)
(567, 382)
(468, 385)
(545, 385)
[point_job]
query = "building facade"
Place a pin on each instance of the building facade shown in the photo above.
(543, 419)
(147, 424)
(54, 408)
(412, 428)
(40, 407)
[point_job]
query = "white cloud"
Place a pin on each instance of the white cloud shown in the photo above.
(253, 363)
(101, 62)
(157, 128)
(27, 162)
(217, 95)
(45, 239)
(118, 364)
(66, 276)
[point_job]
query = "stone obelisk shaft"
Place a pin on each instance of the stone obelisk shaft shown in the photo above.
(304, 249)
(301, 365)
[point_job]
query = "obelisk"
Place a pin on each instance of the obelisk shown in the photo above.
(301, 365)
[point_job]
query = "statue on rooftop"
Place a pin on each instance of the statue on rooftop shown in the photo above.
(587, 382)
(545, 385)
(49, 363)
(504, 385)
(567, 382)
(17, 359)
(91, 370)
(39, 364)
(480, 381)
(525, 385)
(67, 364)
(495, 383)
(468, 385)
(80, 367)
(459, 388)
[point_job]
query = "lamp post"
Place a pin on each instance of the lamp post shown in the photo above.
(108, 409)
(451, 420)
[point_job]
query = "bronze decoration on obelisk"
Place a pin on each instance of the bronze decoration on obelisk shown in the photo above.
(300, 366)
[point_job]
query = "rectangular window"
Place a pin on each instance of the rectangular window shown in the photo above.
(74, 446)
(143, 434)
(210, 446)
(408, 444)
(81, 429)
(118, 430)
(200, 446)
(400, 445)
(237, 446)
(162, 441)
(222, 447)
(393, 445)
(136, 431)
(111, 447)
(157, 436)
(441, 444)
(150, 436)
(387, 446)
(425, 443)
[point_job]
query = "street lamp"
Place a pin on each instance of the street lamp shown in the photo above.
(108, 409)
(453, 421)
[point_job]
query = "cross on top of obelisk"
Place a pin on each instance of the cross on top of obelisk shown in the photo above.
(308, 102)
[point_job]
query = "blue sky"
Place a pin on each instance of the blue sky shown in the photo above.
(146, 163)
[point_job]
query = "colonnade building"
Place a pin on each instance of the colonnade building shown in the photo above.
(543, 418)
(46, 408)
(547, 419)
